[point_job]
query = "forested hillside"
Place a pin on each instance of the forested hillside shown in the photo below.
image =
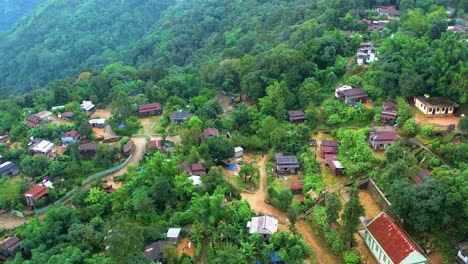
(62, 38)
(12, 10)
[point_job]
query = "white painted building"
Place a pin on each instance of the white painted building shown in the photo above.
(435, 106)
(238, 152)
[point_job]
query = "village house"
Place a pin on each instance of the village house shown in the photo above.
(329, 147)
(173, 235)
(34, 194)
(334, 164)
(87, 106)
(435, 106)
(5, 139)
(422, 176)
(11, 246)
(389, 113)
(208, 132)
(462, 252)
(193, 169)
(88, 150)
(42, 117)
(99, 122)
(67, 115)
(108, 188)
(154, 251)
(296, 116)
(179, 117)
(286, 163)
(238, 152)
(71, 136)
(57, 108)
(149, 109)
(156, 144)
(366, 53)
(41, 147)
(350, 95)
(381, 138)
(9, 169)
(390, 244)
(264, 225)
(389, 11)
(296, 187)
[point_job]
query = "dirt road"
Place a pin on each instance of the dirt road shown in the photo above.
(258, 205)
(11, 221)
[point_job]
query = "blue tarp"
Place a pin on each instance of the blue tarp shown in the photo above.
(121, 126)
(232, 167)
(274, 257)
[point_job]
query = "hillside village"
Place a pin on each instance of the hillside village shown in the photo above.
(135, 166)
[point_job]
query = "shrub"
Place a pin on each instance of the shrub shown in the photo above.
(426, 130)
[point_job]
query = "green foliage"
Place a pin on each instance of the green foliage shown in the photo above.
(312, 179)
(463, 124)
(351, 257)
(332, 208)
(426, 130)
(219, 148)
(353, 152)
(11, 196)
(351, 213)
(410, 128)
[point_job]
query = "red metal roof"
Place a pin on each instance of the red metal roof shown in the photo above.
(36, 192)
(296, 185)
(392, 238)
(149, 107)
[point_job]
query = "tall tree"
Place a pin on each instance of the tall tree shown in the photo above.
(332, 208)
(352, 211)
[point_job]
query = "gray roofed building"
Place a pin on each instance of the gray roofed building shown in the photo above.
(9, 168)
(286, 163)
(173, 234)
(265, 225)
(154, 251)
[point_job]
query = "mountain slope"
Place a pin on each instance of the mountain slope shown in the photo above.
(12, 10)
(60, 38)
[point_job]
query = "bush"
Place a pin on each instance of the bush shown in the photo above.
(410, 128)
(426, 130)
(351, 257)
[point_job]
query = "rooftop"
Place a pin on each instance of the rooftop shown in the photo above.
(155, 250)
(11, 243)
(263, 225)
(296, 185)
(282, 158)
(383, 135)
(354, 92)
(88, 147)
(436, 101)
(392, 238)
(43, 114)
(36, 192)
(149, 107)
(173, 232)
(329, 143)
(87, 105)
(296, 114)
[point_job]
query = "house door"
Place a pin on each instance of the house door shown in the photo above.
(446, 110)
(433, 111)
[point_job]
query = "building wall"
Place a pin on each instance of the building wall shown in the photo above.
(376, 249)
(433, 111)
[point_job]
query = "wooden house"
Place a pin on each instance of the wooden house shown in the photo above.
(296, 116)
(149, 109)
(179, 117)
(335, 166)
(11, 246)
(71, 136)
(381, 138)
(68, 115)
(193, 169)
(435, 106)
(352, 96)
(328, 147)
(208, 132)
(296, 187)
(34, 194)
(390, 244)
(286, 163)
(88, 149)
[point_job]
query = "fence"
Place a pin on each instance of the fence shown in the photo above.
(88, 180)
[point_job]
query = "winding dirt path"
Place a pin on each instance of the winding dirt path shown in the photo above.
(258, 205)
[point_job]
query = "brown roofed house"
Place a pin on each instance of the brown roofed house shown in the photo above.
(193, 169)
(335, 166)
(34, 194)
(296, 116)
(286, 163)
(388, 116)
(381, 138)
(68, 115)
(208, 132)
(149, 109)
(296, 187)
(88, 149)
(11, 246)
(70, 136)
(389, 243)
(33, 121)
(329, 147)
(352, 96)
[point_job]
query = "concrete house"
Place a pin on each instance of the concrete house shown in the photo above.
(34, 194)
(149, 109)
(286, 163)
(209, 132)
(352, 96)
(87, 106)
(9, 169)
(11, 246)
(366, 53)
(99, 122)
(238, 152)
(435, 106)
(71, 136)
(381, 138)
(390, 244)
(296, 116)
(264, 225)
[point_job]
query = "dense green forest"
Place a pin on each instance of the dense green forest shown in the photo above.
(192, 56)
(12, 10)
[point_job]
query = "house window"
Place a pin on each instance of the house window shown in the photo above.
(421, 105)
(384, 258)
